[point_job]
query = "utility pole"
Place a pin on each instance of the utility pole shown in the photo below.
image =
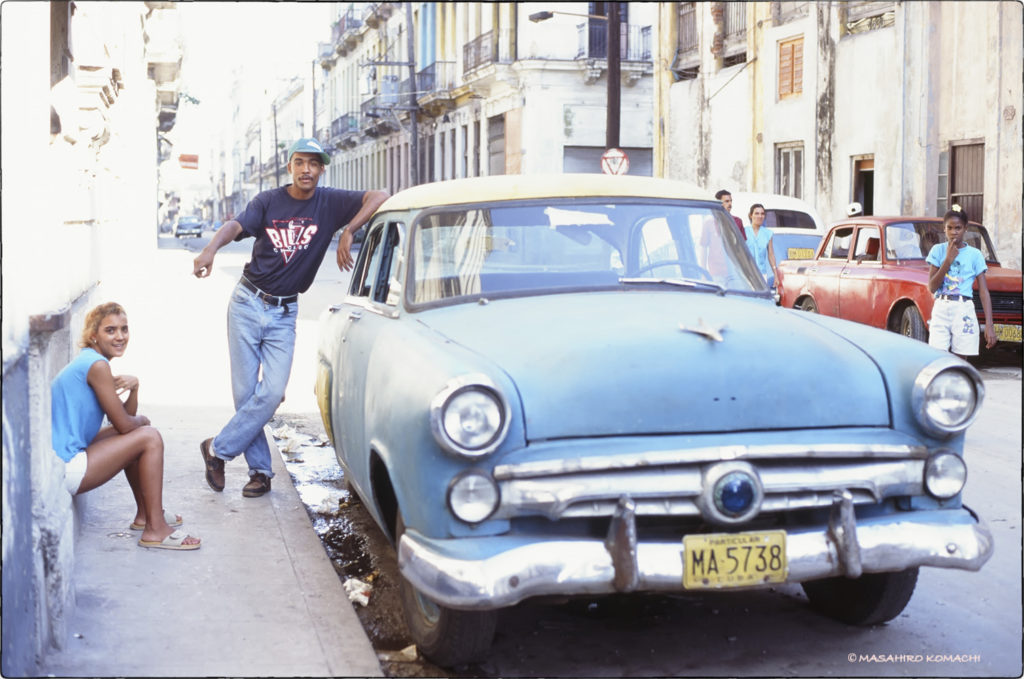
(414, 143)
(614, 77)
(277, 151)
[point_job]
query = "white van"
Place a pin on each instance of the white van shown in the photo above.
(798, 229)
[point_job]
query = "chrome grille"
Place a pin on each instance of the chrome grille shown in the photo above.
(669, 483)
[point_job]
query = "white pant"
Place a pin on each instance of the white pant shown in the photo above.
(954, 327)
(74, 472)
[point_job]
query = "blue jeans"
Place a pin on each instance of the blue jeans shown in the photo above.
(261, 336)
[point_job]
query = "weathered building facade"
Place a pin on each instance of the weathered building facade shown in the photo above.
(488, 90)
(89, 88)
(891, 104)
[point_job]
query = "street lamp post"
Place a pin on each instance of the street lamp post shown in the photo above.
(612, 122)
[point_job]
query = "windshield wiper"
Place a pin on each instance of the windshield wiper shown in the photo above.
(680, 282)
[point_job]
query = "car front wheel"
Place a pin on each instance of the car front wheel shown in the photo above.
(871, 599)
(447, 637)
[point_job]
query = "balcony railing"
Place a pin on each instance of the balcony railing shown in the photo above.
(344, 124)
(593, 42)
(479, 51)
(438, 77)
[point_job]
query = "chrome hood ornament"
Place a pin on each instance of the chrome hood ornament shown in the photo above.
(702, 328)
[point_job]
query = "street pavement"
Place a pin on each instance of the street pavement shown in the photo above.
(260, 597)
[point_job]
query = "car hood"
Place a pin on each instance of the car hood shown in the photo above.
(606, 364)
(1001, 279)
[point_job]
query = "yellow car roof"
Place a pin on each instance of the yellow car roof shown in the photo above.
(517, 186)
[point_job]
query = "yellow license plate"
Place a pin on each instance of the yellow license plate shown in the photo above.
(799, 253)
(1007, 333)
(723, 560)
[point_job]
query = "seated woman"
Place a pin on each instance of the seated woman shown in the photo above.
(82, 393)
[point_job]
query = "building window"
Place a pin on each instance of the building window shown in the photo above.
(686, 64)
(942, 194)
(967, 179)
(858, 17)
(789, 169)
(791, 67)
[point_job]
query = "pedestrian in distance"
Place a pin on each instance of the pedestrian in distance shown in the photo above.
(759, 242)
(953, 268)
(726, 199)
(293, 226)
(85, 391)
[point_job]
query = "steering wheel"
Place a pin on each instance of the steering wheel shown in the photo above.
(689, 269)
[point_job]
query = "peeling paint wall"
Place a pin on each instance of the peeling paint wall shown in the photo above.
(898, 93)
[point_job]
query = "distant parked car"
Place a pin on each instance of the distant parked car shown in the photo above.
(562, 385)
(188, 227)
(873, 270)
(795, 223)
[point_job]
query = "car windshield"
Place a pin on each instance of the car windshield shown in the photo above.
(468, 252)
(913, 240)
(788, 219)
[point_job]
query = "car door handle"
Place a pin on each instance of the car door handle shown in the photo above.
(355, 315)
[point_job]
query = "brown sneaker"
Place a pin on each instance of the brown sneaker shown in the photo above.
(258, 485)
(214, 466)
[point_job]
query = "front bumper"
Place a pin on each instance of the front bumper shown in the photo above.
(453, 573)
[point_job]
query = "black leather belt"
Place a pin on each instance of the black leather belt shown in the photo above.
(269, 299)
(953, 298)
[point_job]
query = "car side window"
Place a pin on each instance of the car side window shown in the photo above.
(387, 288)
(368, 262)
(868, 241)
(839, 245)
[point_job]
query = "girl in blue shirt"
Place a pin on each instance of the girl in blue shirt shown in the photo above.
(81, 394)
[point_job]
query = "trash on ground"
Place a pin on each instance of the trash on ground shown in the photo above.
(407, 654)
(358, 591)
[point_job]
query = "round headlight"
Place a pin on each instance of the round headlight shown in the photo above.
(945, 474)
(469, 417)
(947, 396)
(472, 418)
(473, 496)
(949, 400)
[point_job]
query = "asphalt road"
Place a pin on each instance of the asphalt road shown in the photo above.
(957, 624)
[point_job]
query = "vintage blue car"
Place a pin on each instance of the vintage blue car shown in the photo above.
(576, 385)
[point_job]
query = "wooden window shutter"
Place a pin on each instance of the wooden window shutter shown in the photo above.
(791, 67)
(785, 69)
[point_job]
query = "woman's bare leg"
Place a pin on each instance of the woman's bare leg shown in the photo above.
(143, 450)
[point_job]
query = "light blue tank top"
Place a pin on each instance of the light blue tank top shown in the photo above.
(75, 412)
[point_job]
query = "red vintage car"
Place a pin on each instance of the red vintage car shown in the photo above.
(873, 270)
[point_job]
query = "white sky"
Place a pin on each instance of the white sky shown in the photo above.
(267, 41)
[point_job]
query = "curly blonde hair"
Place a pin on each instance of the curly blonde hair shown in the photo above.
(95, 317)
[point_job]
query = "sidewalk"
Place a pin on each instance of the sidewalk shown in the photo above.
(261, 597)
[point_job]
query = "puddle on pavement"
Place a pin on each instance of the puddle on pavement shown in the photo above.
(319, 480)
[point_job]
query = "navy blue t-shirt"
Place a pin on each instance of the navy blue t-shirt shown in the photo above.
(293, 235)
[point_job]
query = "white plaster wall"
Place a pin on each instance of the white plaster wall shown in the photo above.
(867, 99)
(791, 119)
(731, 115)
(683, 130)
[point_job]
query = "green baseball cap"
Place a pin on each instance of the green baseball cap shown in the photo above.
(308, 145)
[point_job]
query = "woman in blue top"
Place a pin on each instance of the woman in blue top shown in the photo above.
(759, 242)
(81, 394)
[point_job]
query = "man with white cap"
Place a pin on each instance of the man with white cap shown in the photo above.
(293, 226)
